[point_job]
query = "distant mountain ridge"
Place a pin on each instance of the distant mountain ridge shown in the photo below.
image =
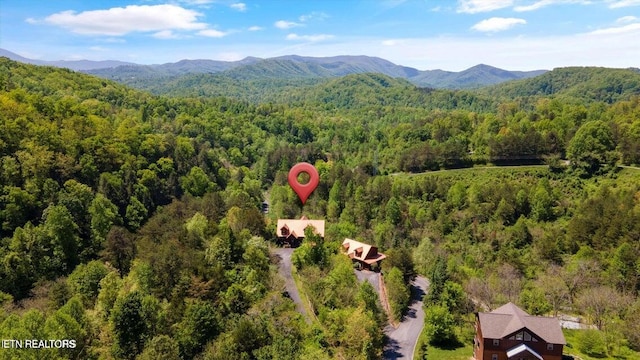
(77, 65)
(285, 67)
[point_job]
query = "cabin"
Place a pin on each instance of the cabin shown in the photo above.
(290, 232)
(509, 333)
(365, 256)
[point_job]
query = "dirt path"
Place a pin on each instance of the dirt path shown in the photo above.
(401, 341)
(284, 269)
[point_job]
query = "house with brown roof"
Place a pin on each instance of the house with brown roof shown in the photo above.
(290, 232)
(364, 255)
(509, 333)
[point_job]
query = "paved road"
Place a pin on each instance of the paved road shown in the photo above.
(401, 341)
(284, 268)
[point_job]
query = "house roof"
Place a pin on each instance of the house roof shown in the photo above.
(368, 256)
(508, 319)
(522, 349)
(296, 227)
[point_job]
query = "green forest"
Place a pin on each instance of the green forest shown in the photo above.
(132, 223)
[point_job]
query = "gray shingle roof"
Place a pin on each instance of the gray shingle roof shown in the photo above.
(508, 319)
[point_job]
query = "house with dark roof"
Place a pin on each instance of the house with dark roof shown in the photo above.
(509, 333)
(290, 232)
(364, 255)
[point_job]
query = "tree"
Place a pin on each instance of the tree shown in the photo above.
(625, 268)
(542, 202)
(398, 293)
(130, 328)
(161, 347)
(104, 214)
(439, 325)
(136, 214)
(120, 249)
(534, 301)
(393, 212)
(368, 296)
(199, 324)
(61, 233)
(197, 182)
(438, 276)
(110, 286)
(85, 279)
(402, 259)
(601, 304)
(77, 198)
(631, 326)
(554, 288)
(312, 252)
(509, 282)
(591, 148)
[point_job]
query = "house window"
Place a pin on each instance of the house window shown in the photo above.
(527, 336)
(284, 231)
(549, 346)
(494, 357)
(496, 342)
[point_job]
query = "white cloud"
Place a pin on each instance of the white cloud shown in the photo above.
(31, 21)
(283, 24)
(477, 6)
(496, 24)
(626, 19)
(132, 18)
(115, 40)
(239, 6)
(98, 48)
(535, 6)
(630, 28)
(212, 33)
(165, 34)
(312, 38)
(623, 3)
(255, 28)
(198, 2)
(544, 3)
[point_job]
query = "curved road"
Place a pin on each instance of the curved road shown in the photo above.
(401, 341)
(284, 268)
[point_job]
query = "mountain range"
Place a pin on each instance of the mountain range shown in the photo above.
(287, 67)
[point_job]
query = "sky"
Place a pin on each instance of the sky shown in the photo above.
(425, 34)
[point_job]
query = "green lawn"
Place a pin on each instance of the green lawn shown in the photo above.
(461, 353)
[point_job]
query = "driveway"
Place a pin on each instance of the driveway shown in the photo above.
(284, 269)
(371, 276)
(401, 341)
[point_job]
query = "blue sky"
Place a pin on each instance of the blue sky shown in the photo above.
(425, 34)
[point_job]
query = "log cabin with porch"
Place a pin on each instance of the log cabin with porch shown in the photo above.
(290, 232)
(364, 255)
(509, 333)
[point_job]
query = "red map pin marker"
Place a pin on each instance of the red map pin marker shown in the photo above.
(303, 190)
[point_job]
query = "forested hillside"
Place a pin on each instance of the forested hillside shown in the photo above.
(578, 84)
(255, 79)
(131, 222)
